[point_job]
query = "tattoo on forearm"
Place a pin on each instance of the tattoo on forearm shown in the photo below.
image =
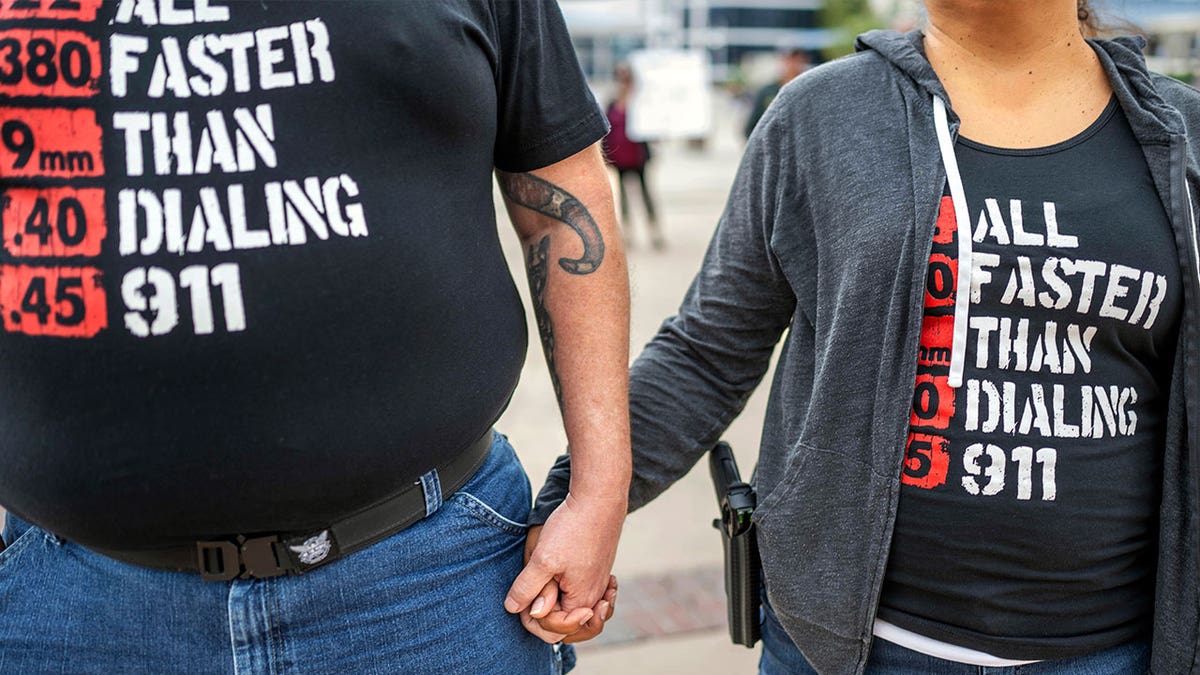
(550, 200)
(538, 269)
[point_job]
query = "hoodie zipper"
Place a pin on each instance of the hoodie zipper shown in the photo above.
(1192, 230)
(1179, 159)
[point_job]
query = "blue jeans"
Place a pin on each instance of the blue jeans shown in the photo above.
(781, 657)
(426, 600)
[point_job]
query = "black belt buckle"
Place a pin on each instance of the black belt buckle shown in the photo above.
(258, 558)
(244, 558)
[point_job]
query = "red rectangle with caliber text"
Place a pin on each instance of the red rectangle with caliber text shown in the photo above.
(926, 461)
(933, 402)
(77, 10)
(64, 302)
(49, 142)
(55, 63)
(53, 222)
(937, 342)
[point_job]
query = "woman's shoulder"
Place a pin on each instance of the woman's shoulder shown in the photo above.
(853, 70)
(1179, 95)
(1185, 99)
(1128, 52)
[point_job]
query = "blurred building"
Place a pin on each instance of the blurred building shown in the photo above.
(731, 30)
(902, 15)
(1172, 28)
(605, 31)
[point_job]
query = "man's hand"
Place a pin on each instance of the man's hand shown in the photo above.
(546, 618)
(574, 550)
(555, 619)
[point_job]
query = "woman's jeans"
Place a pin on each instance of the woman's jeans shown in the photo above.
(781, 657)
(426, 600)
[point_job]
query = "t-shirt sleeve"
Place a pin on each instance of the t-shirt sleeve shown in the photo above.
(546, 110)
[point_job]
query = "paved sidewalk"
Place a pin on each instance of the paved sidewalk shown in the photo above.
(670, 614)
(707, 653)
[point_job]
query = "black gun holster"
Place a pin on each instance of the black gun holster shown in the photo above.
(738, 537)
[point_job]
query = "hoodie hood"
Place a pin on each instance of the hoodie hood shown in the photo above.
(905, 51)
(1132, 82)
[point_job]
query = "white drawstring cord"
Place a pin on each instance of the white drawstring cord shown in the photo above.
(962, 300)
(1187, 190)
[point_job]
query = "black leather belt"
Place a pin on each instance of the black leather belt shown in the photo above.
(263, 556)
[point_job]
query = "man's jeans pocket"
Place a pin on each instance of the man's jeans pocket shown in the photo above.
(499, 494)
(17, 537)
(488, 515)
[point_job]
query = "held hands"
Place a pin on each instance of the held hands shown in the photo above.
(565, 593)
(547, 619)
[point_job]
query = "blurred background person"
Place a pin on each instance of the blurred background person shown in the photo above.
(629, 158)
(792, 64)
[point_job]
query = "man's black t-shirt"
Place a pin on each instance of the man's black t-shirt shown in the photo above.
(250, 277)
(1028, 511)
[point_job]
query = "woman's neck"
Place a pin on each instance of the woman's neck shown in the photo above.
(998, 35)
(1018, 73)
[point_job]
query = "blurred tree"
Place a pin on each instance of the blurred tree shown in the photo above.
(847, 18)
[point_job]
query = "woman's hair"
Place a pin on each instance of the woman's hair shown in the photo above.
(1088, 21)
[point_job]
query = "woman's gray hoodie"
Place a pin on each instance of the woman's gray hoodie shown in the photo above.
(828, 232)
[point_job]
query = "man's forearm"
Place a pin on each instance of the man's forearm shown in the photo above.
(580, 295)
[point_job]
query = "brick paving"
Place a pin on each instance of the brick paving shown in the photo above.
(662, 605)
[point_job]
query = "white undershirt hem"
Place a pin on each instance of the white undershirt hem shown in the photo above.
(938, 649)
